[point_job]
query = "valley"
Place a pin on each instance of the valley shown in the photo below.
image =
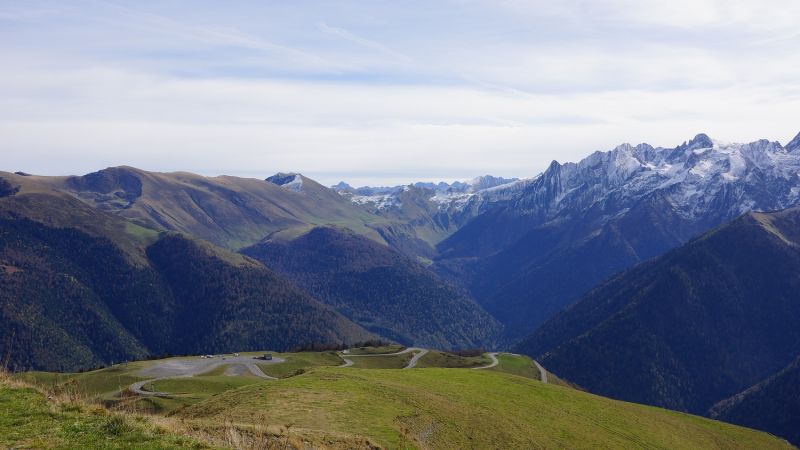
(672, 268)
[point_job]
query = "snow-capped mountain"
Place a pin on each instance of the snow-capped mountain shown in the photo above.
(445, 195)
(542, 242)
(698, 177)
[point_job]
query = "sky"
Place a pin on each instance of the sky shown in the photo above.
(379, 92)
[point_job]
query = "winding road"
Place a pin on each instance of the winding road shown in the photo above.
(495, 362)
(542, 372)
(184, 368)
(411, 364)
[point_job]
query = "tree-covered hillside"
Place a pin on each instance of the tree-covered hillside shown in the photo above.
(380, 289)
(690, 328)
(70, 300)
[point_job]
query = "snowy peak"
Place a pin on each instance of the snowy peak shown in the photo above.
(486, 182)
(290, 181)
(444, 194)
(700, 177)
(700, 141)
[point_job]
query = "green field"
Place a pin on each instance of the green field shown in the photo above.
(188, 391)
(300, 362)
(446, 408)
(443, 359)
(517, 365)
(382, 362)
(100, 384)
(392, 348)
(28, 420)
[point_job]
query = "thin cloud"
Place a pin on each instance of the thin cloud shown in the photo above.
(370, 44)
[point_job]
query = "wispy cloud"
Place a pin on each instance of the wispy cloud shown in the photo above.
(348, 36)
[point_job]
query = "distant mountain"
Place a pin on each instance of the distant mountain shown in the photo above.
(227, 211)
(690, 328)
(380, 289)
(80, 287)
(444, 194)
(430, 212)
(536, 245)
(235, 212)
(772, 405)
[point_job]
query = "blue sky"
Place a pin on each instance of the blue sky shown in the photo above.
(384, 92)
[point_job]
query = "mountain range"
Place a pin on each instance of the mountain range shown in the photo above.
(661, 266)
(543, 242)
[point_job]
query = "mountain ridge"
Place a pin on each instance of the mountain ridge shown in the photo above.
(691, 327)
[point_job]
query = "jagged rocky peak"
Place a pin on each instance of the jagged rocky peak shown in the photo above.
(700, 141)
(342, 186)
(794, 144)
(287, 180)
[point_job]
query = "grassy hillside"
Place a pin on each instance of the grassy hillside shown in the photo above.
(461, 408)
(297, 363)
(436, 358)
(380, 289)
(382, 362)
(28, 420)
(228, 211)
(331, 407)
(691, 328)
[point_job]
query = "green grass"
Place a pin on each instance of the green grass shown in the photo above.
(392, 348)
(27, 420)
(102, 384)
(443, 359)
(201, 386)
(188, 391)
(452, 408)
(297, 362)
(517, 365)
(382, 362)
